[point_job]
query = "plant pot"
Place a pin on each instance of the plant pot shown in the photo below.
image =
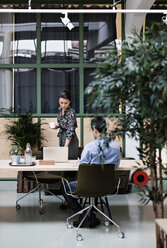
(15, 159)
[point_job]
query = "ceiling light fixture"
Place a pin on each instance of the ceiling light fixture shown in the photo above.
(66, 21)
(114, 4)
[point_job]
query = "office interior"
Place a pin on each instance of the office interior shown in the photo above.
(39, 56)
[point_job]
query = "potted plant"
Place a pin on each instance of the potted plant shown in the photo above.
(15, 154)
(22, 129)
(136, 79)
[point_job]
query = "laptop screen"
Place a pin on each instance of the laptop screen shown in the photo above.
(58, 154)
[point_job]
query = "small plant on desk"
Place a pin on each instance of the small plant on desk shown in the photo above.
(15, 154)
(16, 150)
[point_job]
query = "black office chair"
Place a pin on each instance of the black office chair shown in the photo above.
(93, 181)
(40, 178)
(99, 201)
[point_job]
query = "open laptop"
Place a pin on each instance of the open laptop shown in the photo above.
(58, 154)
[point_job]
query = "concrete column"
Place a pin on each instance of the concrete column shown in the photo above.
(135, 20)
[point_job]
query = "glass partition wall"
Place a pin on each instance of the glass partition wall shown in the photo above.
(18, 46)
(59, 45)
(39, 56)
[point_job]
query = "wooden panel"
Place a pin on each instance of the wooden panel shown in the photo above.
(9, 174)
(4, 143)
(51, 134)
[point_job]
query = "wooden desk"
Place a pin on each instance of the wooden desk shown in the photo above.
(72, 165)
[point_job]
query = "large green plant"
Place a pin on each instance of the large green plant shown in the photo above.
(137, 79)
(21, 130)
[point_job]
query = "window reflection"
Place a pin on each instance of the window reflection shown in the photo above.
(25, 90)
(17, 38)
(24, 51)
(1, 48)
(6, 90)
(6, 30)
(99, 35)
(58, 43)
(53, 81)
(24, 44)
(18, 90)
(88, 78)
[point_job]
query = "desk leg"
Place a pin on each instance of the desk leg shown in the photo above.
(20, 182)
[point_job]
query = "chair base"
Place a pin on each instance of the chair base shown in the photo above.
(102, 202)
(92, 205)
(39, 187)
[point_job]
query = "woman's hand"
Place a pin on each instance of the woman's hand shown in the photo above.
(67, 143)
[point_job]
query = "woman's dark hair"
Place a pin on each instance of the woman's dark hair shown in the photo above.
(65, 94)
(100, 124)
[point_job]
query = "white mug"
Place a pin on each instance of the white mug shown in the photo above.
(52, 124)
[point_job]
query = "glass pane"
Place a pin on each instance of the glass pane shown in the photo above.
(18, 90)
(6, 37)
(24, 43)
(6, 90)
(53, 81)
(25, 90)
(17, 38)
(59, 44)
(88, 78)
(99, 35)
(150, 18)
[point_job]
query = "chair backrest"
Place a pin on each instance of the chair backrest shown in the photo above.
(95, 180)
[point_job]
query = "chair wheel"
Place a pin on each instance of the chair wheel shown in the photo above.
(121, 235)
(18, 206)
(106, 223)
(69, 225)
(79, 237)
(41, 211)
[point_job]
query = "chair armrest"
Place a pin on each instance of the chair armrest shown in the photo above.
(66, 182)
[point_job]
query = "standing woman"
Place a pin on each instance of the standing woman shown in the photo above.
(67, 124)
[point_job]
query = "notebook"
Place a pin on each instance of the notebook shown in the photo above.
(58, 154)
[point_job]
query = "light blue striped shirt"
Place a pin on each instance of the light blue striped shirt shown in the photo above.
(101, 150)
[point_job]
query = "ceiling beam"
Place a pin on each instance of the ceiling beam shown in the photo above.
(86, 11)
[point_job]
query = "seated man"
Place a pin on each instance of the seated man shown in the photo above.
(100, 151)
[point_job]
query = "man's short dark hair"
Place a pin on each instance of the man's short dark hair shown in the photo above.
(100, 124)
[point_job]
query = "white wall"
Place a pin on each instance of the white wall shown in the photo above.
(130, 148)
